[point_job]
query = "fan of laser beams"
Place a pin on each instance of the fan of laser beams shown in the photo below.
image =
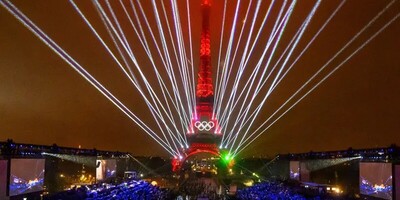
(253, 59)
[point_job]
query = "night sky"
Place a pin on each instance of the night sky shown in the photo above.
(44, 101)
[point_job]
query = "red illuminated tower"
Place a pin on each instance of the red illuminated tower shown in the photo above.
(203, 122)
(204, 132)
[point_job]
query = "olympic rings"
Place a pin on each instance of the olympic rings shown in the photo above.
(204, 125)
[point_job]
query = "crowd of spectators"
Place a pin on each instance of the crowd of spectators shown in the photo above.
(270, 190)
(127, 190)
(199, 188)
(130, 190)
(191, 189)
